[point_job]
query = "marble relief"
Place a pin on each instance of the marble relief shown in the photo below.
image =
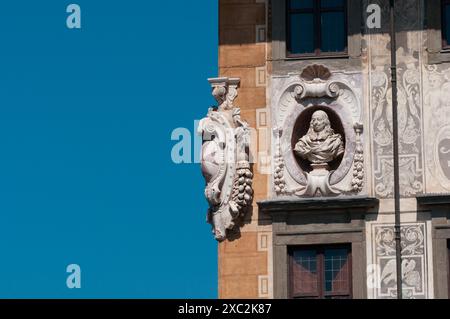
(225, 159)
(318, 143)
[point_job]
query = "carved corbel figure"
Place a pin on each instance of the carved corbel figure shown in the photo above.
(225, 159)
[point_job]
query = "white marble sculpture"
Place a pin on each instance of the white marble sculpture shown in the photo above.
(320, 145)
(322, 162)
(225, 159)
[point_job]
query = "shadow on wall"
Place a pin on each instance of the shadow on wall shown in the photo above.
(237, 20)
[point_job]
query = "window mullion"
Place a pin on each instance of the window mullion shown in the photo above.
(340, 9)
(321, 272)
(294, 11)
(317, 28)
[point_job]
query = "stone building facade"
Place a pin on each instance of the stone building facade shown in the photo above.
(306, 210)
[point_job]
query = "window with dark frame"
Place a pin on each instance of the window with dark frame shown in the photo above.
(445, 11)
(316, 28)
(320, 272)
(448, 274)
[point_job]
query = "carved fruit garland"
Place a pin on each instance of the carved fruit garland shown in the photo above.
(279, 182)
(358, 166)
(242, 189)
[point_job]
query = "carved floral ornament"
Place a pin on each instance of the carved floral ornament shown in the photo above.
(225, 159)
(319, 151)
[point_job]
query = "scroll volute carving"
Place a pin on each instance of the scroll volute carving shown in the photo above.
(315, 83)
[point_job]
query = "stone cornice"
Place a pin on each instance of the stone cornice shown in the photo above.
(305, 205)
(433, 199)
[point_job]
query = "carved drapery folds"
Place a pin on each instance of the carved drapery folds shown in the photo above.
(318, 143)
(225, 159)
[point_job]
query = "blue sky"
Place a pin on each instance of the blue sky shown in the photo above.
(86, 175)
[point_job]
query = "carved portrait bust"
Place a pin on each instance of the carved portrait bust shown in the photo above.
(320, 145)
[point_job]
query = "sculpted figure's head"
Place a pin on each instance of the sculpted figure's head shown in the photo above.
(435, 81)
(319, 121)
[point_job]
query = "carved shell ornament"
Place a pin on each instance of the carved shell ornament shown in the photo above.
(225, 159)
(315, 71)
(315, 83)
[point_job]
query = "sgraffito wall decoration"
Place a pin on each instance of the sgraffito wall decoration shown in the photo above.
(410, 113)
(437, 101)
(414, 261)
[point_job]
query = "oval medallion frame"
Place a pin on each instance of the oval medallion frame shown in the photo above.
(345, 117)
(443, 133)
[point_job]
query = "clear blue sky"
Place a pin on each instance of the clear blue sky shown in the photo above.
(86, 175)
